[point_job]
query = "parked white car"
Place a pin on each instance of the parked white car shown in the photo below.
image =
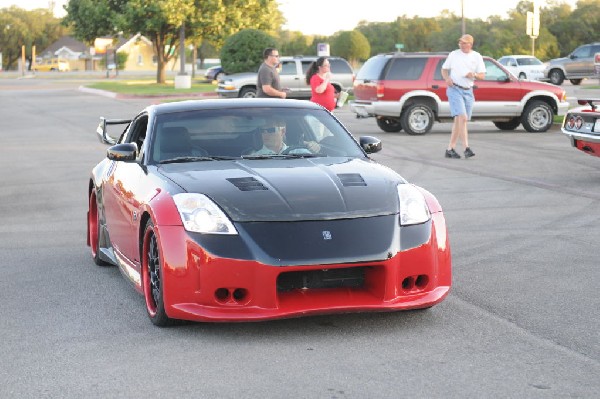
(523, 66)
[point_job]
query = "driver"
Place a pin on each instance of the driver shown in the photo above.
(273, 138)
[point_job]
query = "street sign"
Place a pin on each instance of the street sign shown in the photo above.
(533, 24)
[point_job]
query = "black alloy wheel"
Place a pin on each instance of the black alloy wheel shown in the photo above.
(152, 278)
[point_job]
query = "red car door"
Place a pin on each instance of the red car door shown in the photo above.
(124, 186)
(122, 207)
(499, 94)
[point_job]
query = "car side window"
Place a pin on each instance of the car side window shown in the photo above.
(305, 66)
(437, 74)
(288, 68)
(406, 68)
(340, 66)
(582, 52)
(137, 133)
(493, 72)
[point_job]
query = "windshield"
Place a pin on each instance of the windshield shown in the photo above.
(529, 61)
(249, 133)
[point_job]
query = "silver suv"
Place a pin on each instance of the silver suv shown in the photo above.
(292, 77)
(576, 66)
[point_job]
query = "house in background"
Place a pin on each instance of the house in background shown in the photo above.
(71, 50)
(141, 55)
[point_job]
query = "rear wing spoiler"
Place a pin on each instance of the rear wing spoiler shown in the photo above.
(102, 131)
(592, 102)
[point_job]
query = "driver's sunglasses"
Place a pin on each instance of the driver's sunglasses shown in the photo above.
(272, 129)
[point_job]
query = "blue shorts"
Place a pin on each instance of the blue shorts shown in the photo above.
(460, 101)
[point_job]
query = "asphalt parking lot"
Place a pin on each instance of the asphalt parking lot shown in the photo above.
(522, 319)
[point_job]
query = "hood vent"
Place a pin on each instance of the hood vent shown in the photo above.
(247, 183)
(351, 180)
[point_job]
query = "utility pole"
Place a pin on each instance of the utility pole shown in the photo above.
(462, 13)
(533, 25)
(182, 79)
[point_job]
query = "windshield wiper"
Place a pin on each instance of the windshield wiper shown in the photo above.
(280, 156)
(195, 159)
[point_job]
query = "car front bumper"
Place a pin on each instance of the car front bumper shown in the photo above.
(200, 286)
(227, 93)
(588, 143)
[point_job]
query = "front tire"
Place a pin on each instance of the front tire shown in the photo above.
(153, 277)
(417, 119)
(510, 125)
(522, 76)
(389, 125)
(538, 117)
(575, 82)
(248, 92)
(556, 77)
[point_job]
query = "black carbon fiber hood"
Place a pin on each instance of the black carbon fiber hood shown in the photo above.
(292, 189)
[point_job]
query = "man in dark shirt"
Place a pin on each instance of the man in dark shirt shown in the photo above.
(267, 82)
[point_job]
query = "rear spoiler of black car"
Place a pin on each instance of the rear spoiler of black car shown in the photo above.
(102, 133)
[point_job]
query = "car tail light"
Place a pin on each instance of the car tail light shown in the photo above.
(380, 89)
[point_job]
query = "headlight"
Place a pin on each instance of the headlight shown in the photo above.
(413, 208)
(201, 215)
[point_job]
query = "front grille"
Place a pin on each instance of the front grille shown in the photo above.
(352, 277)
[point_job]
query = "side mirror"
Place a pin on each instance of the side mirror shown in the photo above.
(122, 152)
(370, 144)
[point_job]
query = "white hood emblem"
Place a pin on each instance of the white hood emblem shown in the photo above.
(326, 235)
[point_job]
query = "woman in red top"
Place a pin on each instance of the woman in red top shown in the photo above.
(317, 77)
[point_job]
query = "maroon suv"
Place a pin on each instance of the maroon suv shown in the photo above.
(407, 91)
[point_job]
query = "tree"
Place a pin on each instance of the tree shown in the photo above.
(351, 45)
(216, 20)
(90, 19)
(243, 51)
(19, 27)
(381, 36)
(295, 43)
(158, 20)
(161, 21)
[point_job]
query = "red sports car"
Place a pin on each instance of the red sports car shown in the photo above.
(257, 209)
(582, 125)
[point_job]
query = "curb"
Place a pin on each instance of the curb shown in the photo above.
(119, 96)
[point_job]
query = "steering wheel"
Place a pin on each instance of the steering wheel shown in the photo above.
(298, 149)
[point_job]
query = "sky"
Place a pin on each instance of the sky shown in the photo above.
(325, 17)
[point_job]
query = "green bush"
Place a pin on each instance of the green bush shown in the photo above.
(242, 52)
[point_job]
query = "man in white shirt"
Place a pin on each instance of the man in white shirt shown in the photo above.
(462, 67)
